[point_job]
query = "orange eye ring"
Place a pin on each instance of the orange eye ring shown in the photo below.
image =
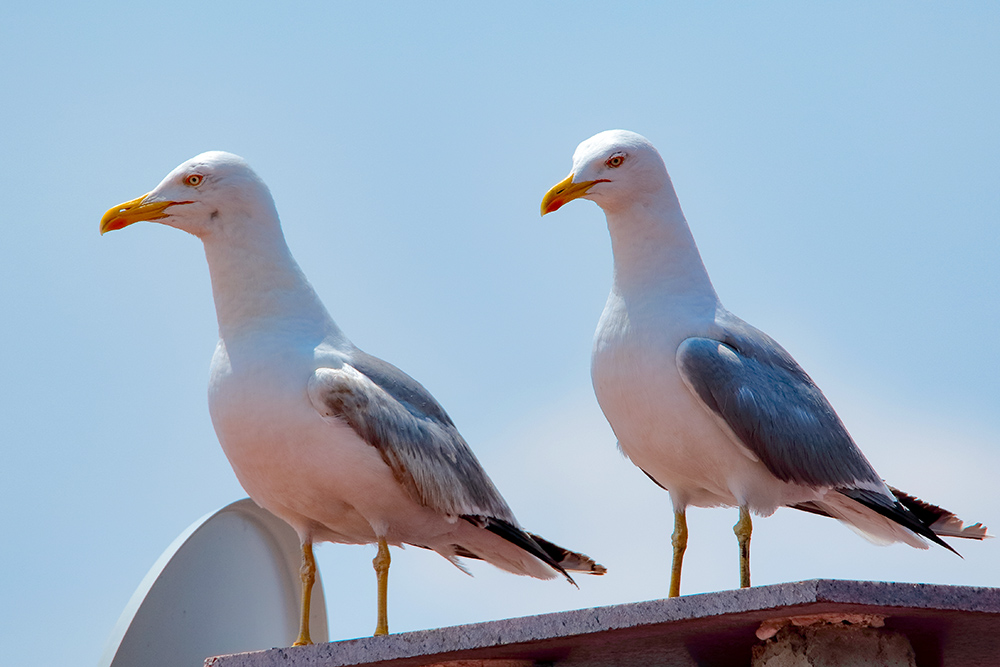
(616, 160)
(194, 180)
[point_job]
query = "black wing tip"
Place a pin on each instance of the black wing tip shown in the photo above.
(898, 512)
(573, 561)
(938, 519)
(554, 556)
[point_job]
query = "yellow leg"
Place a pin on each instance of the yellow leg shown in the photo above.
(308, 576)
(743, 528)
(679, 541)
(381, 565)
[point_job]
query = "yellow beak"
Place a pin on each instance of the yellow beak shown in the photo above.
(566, 191)
(125, 214)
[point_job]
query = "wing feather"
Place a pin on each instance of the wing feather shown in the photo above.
(774, 408)
(416, 438)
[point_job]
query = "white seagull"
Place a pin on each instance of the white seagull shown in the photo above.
(340, 444)
(710, 408)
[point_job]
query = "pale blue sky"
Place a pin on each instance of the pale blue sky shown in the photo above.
(839, 164)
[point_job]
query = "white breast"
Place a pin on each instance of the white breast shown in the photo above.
(660, 424)
(314, 472)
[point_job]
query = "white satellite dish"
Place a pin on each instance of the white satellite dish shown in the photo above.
(228, 584)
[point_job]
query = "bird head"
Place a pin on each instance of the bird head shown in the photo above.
(613, 168)
(198, 197)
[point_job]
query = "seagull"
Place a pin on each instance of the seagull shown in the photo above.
(343, 446)
(708, 407)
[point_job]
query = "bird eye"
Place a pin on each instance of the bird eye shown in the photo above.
(194, 180)
(616, 160)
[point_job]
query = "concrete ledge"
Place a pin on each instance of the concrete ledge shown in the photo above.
(946, 625)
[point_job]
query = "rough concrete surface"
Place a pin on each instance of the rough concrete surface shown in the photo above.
(834, 646)
(945, 625)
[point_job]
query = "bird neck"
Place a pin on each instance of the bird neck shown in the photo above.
(258, 286)
(654, 252)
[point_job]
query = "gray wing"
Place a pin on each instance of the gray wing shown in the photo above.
(774, 408)
(410, 393)
(418, 441)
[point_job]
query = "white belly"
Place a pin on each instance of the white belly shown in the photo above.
(666, 430)
(314, 473)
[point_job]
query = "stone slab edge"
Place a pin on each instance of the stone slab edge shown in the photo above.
(557, 625)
